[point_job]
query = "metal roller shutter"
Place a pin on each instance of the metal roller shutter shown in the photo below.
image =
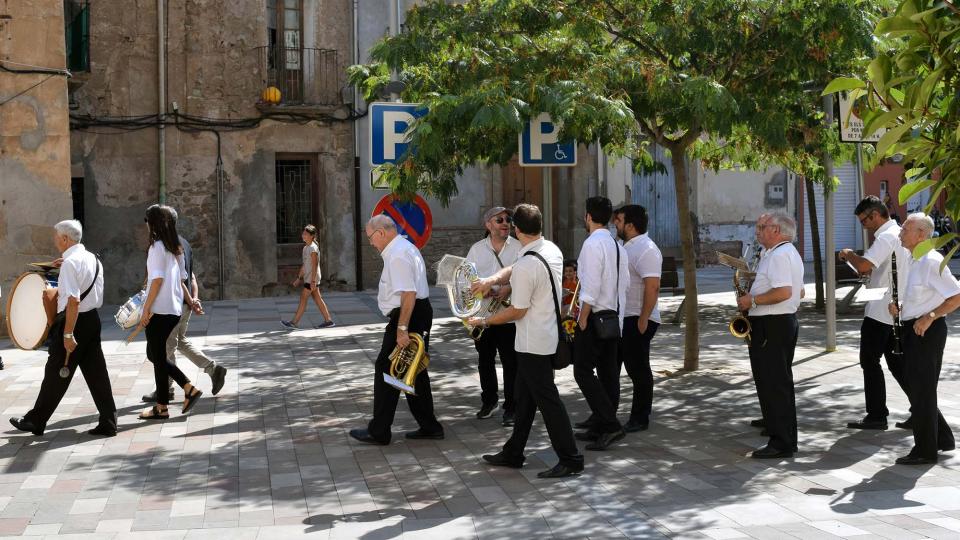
(845, 199)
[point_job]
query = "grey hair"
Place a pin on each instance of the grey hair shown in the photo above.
(924, 221)
(787, 225)
(382, 221)
(70, 228)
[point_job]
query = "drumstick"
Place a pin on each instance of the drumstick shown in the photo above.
(65, 370)
(134, 333)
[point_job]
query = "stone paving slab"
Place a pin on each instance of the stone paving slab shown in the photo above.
(270, 456)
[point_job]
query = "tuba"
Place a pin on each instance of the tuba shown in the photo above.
(494, 306)
(406, 364)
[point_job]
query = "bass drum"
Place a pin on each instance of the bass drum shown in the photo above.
(26, 318)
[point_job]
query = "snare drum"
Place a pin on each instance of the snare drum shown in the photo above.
(129, 313)
(26, 317)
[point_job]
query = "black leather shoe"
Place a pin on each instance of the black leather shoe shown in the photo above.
(560, 471)
(915, 460)
(906, 424)
(25, 425)
(218, 377)
(757, 423)
(364, 436)
(633, 427)
(508, 419)
(868, 423)
(486, 411)
(500, 460)
(103, 431)
(605, 440)
(947, 447)
(420, 434)
(764, 433)
(768, 452)
(152, 397)
(588, 436)
(586, 424)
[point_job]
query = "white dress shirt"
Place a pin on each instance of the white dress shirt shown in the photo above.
(76, 274)
(403, 271)
(886, 242)
(645, 261)
(537, 331)
(165, 265)
(927, 287)
(780, 266)
(597, 270)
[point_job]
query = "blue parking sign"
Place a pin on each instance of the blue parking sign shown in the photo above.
(389, 130)
(540, 147)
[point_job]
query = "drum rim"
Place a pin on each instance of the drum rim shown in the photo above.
(13, 338)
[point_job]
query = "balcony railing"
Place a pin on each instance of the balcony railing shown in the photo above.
(304, 76)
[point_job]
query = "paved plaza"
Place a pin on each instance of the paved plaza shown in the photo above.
(271, 458)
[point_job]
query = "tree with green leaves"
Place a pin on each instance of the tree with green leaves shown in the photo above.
(912, 90)
(687, 75)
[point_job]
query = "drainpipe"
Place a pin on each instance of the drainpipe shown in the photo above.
(161, 105)
(357, 243)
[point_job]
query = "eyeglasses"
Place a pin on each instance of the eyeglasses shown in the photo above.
(762, 226)
(503, 219)
(375, 231)
(863, 220)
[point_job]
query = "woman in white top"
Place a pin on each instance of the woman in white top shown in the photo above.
(166, 294)
(309, 276)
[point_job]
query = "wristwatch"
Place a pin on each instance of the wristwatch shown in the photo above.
(932, 314)
(68, 335)
(402, 327)
(753, 302)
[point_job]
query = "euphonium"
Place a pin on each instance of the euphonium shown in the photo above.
(406, 363)
(493, 307)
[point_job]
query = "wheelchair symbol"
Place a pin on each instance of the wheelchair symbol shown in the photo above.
(559, 155)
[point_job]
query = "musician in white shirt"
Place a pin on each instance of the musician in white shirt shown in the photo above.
(404, 298)
(75, 330)
(604, 277)
(534, 306)
(931, 294)
(876, 332)
(772, 304)
(641, 316)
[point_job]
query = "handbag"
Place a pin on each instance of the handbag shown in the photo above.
(607, 321)
(564, 354)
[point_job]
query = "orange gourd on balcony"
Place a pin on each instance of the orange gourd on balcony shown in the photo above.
(271, 95)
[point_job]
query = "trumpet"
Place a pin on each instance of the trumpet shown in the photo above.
(406, 364)
(570, 319)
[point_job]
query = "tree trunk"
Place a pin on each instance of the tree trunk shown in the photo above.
(691, 348)
(815, 243)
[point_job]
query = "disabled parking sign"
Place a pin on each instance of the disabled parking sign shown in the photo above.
(540, 145)
(413, 218)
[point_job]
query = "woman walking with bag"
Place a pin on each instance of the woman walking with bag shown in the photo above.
(166, 295)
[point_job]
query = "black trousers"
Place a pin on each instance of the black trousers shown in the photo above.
(385, 397)
(158, 330)
(88, 356)
(772, 344)
(634, 352)
(493, 340)
(596, 369)
(923, 357)
(536, 390)
(876, 340)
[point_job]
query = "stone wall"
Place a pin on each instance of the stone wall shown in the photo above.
(34, 138)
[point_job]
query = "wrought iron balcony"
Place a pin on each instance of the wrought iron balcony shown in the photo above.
(304, 76)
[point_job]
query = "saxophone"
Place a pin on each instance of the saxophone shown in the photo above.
(739, 324)
(406, 363)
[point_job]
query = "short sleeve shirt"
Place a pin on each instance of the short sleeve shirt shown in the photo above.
(403, 271)
(780, 266)
(886, 242)
(927, 287)
(308, 267)
(537, 331)
(645, 261)
(76, 274)
(161, 264)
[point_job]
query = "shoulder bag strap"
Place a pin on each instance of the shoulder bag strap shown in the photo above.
(556, 300)
(497, 255)
(96, 274)
(616, 291)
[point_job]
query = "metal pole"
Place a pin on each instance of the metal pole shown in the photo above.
(394, 30)
(161, 105)
(546, 177)
(863, 192)
(829, 248)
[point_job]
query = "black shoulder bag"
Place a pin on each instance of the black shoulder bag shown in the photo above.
(607, 321)
(564, 355)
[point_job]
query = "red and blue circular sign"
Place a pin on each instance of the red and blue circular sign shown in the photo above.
(413, 218)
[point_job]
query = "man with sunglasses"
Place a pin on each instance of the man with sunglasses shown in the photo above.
(404, 298)
(876, 331)
(491, 254)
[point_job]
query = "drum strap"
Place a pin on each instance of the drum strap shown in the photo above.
(96, 274)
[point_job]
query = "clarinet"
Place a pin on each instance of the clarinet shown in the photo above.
(897, 326)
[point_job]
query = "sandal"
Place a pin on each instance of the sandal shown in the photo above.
(190, 399)
(154, 414)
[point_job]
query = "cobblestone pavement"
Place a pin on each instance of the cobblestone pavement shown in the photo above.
(270, 457)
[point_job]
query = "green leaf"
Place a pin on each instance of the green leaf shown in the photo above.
(933, 243)
(879, 71)
(895, 24)
(892, 136)
(949, 256)
(843, 83)
(912, 188)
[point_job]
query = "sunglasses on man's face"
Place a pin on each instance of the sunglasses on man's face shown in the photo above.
(503, 219)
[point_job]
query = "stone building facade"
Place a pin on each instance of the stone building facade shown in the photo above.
(34, 137)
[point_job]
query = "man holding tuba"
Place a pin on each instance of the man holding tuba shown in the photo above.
(490, 255)
(404, 297)
(772, 303)
(876, 332)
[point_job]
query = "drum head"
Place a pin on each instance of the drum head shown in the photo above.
(26, 319)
